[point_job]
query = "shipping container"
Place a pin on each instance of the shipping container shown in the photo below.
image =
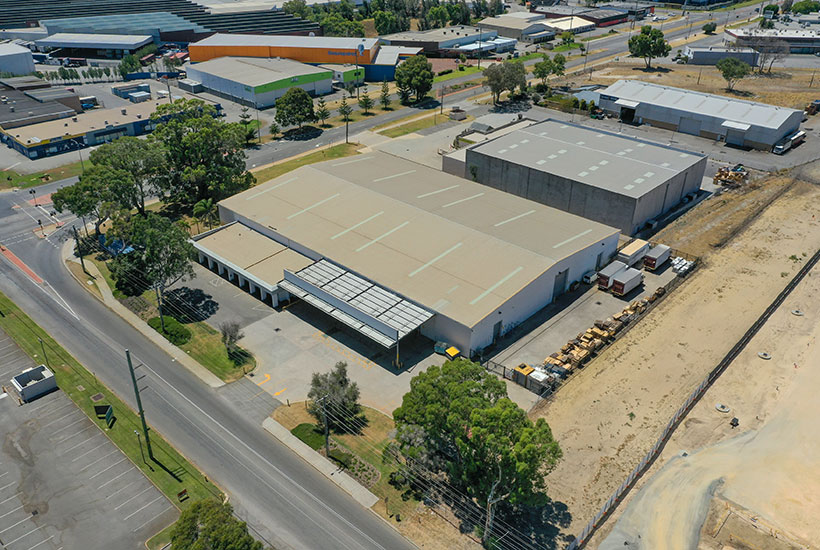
(656, 256)
(633, 252)
(626, 281)
(606, 274)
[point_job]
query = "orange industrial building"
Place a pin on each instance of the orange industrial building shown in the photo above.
(379, 61)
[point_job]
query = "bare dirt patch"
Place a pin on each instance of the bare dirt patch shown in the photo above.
(786, 87)
(607, 417)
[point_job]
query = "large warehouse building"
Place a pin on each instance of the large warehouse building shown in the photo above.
(735, 121)
(520, 28)
(452, 41)
(387, 247)
(379, 62)
(110, 46)
(15, 59)
(259, 82)
(610, 178)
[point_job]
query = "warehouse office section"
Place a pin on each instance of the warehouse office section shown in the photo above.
(389, 247)
(611, 178)
(738, 122)
(259, 82)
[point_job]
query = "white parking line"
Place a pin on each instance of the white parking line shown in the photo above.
(102, 457)
(150, 520)
(39, 543)
(90, 451)
(14, 525)
(66, 438)
(83, 417)
(24, 536)
(132, 498)
(7, 513)
(115, 479)
(132, 514)
(120, 490)
(81, 443)
(7, 486)
(11, 497)
(61, 418)
(39, 407)
(103, 471)
(59, 408)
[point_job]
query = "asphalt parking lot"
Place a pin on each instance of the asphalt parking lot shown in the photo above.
(63, 483)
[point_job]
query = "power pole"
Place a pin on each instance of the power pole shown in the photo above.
(139, 405)
(79, 249)
(43, 347)
(327, 430)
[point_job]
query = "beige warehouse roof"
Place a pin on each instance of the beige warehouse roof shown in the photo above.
(449, 244)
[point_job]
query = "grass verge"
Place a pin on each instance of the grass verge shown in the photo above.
(368, 446)
(171, 474)
(567, 47)
(335, 152)
(455, 74)
(10, 178)
(414, 126)
(161, 539)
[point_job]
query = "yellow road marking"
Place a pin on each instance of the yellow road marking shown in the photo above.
(277, 394)
(267, 377)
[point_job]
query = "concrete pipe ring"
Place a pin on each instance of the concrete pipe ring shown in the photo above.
(764, 355)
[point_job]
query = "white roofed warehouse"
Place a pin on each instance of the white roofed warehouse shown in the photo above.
(389, 247)
(736, 121)
(614, 179)
(259, 82)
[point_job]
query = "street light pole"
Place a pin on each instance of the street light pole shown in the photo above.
(43, 347)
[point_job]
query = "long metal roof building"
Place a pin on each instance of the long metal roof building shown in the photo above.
(737, 121)
(468, 262)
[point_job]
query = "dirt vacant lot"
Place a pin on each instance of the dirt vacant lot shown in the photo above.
(609, 415)
(785, 87)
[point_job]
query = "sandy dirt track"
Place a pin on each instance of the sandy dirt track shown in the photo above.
(607, 417)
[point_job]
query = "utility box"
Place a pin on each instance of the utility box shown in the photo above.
(34, 382)
(626, 281)
(656, 256)
(606, 274)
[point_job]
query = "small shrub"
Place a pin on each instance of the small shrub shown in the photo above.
(536, 99)
(444, 72)
(175, 332)
(541, 88)
(461, 67)
(583, 105)
(575, 102)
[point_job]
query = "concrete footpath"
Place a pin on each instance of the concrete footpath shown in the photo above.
(108, 299)
(327, 468)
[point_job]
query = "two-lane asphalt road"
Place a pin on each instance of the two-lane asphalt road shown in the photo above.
(283, 499)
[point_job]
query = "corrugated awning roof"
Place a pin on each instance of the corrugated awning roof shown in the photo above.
(627, 103)
(366, 307)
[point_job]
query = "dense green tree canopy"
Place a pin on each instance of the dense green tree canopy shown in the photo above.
(142, 159)
(209, 525)
(416, 75)
(294, 108)
(649, 44)
(333, 392)
(204, 156)
(93, 195)
(732, 69)
(506, 77)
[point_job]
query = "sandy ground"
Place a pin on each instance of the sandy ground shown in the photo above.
(771, 468)
(610, 415)
(787, 87)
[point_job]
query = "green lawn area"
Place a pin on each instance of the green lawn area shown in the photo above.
(531, 55)
(10, 178)
(253, 124)
(744, 23)
(205, 345)
(207, 348)
(739, 5)
(161, 539)
(368, 446)
(335, 152)
(175, 472)
(566, 47)
(455, 74)
(414, 126)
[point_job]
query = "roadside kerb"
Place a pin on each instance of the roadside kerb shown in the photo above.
(324, 466)
(113, 304)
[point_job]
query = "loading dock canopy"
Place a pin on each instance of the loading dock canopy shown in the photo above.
(627, 103)
(366, 307)
(735, 125)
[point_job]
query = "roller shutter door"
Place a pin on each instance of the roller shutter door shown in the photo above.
(735, 137)
(689, 126)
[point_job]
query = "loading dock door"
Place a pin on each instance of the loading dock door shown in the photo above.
(735, 137)
(689, 126)
(627, 114)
